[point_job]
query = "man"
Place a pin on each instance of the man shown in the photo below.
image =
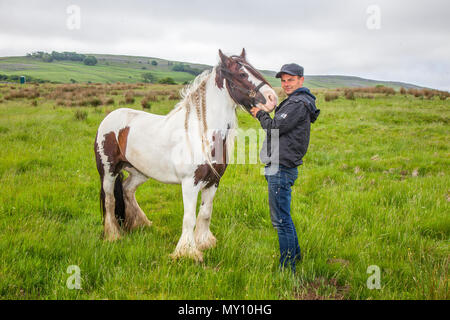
(292, 119)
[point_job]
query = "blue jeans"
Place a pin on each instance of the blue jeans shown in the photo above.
(280, 185)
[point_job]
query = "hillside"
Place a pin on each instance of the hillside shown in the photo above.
(129, 69)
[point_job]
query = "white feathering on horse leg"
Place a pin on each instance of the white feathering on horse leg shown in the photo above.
(186, 246)
(111, 227)
(203, 236)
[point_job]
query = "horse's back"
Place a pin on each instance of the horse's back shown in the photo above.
(122, 117)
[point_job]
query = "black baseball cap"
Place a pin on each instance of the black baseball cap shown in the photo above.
(291, 68)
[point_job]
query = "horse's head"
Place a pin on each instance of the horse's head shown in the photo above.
(246, 86)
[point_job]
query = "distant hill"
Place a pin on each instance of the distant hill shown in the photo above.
(114, 68)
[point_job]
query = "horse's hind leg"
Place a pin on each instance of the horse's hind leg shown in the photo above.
(110, 224)
(203, 236)
(134, 216)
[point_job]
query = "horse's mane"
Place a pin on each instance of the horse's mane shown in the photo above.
(190, 92)
(195, 84)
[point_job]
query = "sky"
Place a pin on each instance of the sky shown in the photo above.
(394, 40)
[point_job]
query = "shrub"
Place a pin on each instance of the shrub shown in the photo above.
(129, 97)
(181, 67)
(47, 58)
(108, 101)
(429, 94)
(145, 104)
(95, 102)
(174, 96)
(90, 61)
(167, 80)
(152, 97)
(330, 96)
(81, 115)
(349, 94)
(148, 77)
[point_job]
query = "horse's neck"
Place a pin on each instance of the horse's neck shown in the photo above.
(220, 108)
(203, 114)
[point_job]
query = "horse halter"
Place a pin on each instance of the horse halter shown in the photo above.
(251, 93)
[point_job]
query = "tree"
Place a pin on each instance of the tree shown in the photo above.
(148, 77)
(47, 58)
(154, 63)
(90, 61)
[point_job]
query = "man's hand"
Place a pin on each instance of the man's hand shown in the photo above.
(254, 111)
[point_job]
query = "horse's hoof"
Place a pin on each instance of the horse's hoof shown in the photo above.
(191, 253)
(206, 242)
(148, 223)
(111, 237)
(137, 225)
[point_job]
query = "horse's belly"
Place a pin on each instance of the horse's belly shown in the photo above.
(150, 150)
(153, 164)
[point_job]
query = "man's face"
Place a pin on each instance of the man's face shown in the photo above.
(291, 83)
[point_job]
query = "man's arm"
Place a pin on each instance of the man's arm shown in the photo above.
(283, 121)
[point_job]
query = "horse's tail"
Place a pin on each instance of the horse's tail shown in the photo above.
(119, 210)
(102, 202)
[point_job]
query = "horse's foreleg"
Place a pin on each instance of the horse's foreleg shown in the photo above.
(186, 245)
(134, 216)
(203, 236)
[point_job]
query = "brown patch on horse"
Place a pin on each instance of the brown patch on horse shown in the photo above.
(123, 138)
(212, 175)
(204, 173)
(115, 148)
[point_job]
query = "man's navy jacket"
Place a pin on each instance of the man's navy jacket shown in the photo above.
(293, 118)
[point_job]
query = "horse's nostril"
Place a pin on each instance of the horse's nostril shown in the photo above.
(272, 98)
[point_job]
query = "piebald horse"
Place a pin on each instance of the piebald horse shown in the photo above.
(189, 146)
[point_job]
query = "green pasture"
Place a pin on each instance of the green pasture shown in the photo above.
(374, 190)
(104, 72)
(129, 69)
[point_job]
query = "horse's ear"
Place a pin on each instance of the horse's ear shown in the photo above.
(223, 57)
(243, 54)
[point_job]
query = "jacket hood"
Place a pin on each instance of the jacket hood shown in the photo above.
(311, 99)
(303, 90)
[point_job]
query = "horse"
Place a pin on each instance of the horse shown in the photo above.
(188, 146)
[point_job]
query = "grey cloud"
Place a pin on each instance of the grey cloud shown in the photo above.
(327, 37)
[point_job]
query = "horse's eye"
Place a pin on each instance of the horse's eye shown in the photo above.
(243, 75)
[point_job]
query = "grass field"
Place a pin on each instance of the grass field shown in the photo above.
(374, 190)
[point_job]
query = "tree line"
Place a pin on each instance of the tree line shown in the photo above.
(61, 56)
(181, 67)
